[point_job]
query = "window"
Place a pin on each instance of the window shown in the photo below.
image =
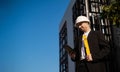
(63, 54)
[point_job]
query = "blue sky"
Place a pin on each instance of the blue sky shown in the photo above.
(29, 32)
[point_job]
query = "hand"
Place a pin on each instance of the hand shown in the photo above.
(89, 57)
(72, 55)
(70, 51)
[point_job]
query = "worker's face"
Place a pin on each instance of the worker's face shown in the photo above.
(83, 26)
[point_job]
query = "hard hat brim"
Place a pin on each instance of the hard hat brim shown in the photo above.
(78, 23)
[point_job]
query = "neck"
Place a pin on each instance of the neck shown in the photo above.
(88, 29)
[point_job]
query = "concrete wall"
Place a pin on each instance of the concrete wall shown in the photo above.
(68, 19)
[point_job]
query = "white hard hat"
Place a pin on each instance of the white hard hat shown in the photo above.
(81, 19)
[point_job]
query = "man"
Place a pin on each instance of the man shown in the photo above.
(90, 58)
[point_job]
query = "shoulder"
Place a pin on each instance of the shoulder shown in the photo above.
(100, 35)
(97, 32)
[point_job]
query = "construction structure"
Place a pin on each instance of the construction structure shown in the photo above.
(68, 32)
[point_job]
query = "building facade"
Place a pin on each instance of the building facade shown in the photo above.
(68, 32)
(66, 37)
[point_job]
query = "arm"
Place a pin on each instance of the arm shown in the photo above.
(104, 47)
(70, 51)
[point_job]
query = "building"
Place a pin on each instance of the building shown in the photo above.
(116, 41)
(68, 32)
